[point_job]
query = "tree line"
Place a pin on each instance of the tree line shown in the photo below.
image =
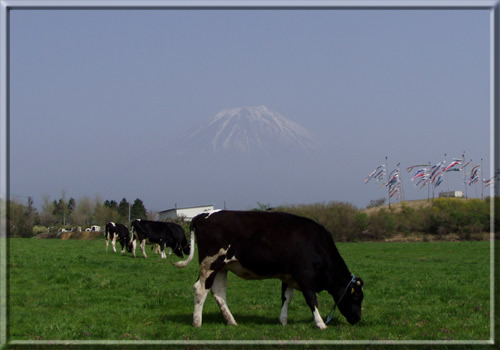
(25, 220)
(438, 218)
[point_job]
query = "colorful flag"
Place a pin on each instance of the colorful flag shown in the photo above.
(368, 178)
(410, 168)
(452, 164)
(439, 180)
(463, 166)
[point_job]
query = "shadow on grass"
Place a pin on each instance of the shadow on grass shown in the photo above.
(242, 319)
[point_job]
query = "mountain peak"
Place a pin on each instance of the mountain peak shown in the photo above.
(250, 130)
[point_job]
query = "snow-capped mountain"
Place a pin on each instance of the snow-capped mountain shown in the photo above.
(251, 130)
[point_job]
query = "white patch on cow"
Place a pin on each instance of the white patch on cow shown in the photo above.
(212, 212)
(200, 292)
(284, 308)
(112, 223)
(134, 244)
(318, 320)
(207, 262)
(113, 242)
(219, 292)
(143, 248)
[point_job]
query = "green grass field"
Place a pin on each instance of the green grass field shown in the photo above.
(75, 290)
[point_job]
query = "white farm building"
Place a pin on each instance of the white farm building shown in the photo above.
(187, 213)
(452, 194)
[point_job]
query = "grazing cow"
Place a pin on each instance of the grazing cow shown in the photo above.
(165, 234)
(260, 245)
(114, 231)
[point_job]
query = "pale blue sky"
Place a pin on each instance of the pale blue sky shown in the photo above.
(95, 96)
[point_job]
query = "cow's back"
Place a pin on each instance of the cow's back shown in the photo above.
(267, 242)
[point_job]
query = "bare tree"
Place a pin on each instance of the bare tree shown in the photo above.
(47, 217)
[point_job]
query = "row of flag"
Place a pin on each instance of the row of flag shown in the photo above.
(427, 175)
(393, 183)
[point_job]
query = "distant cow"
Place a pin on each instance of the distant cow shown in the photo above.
(114, 231)
(165, 234)
(260, 245)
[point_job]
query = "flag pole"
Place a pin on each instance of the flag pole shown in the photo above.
(482, 184)
(428, 184)
(465, 181)
(445, 176)
(387, 172)
(401, 197)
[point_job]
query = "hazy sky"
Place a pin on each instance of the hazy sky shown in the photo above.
(95, 96)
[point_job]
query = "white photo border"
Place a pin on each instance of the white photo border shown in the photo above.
(7, 6)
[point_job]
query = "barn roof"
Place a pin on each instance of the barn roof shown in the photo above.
(193, 207)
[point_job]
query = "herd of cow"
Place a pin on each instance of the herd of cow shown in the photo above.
(253, 245)
(163, 234)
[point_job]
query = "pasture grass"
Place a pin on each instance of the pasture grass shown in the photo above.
(75, 290)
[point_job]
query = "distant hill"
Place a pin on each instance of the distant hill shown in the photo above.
(419, 203)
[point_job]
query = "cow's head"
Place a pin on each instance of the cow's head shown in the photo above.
(129, 246)
(178, 245)
(349, 302)
(127, 242)
(177, 250)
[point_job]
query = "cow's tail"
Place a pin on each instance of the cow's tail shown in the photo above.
(184, 263)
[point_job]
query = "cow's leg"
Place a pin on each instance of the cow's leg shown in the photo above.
(107, 243)
(123, 244)
(134, 244)
(312, 302)
(113, 242)
(143, 248)
(200, 295)
(162, 251)
(286, 298)
(219, 293)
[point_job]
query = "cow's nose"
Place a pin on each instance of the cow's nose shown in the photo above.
(353, 320)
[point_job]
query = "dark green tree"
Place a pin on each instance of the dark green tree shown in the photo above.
(138, 211)
(71, 205)
(112, 204)
(123, 209)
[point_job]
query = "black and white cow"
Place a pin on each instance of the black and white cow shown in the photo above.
(260, 245)
(114, 231)
(165, 234)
